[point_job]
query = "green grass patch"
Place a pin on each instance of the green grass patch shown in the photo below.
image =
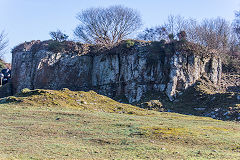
(48, 124)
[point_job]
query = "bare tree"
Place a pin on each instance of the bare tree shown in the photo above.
(236, 24)
(168, 31)
(3, 43)
(107, 25)
(58, 36)
(234, 44)
(176, 24)
(235, 35)
(191, 30)
(213, 33)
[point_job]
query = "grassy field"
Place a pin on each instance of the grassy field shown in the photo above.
(44, 124)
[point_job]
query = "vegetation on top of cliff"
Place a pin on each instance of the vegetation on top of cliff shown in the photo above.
(154, 47)
(185, 47)
(53, 46)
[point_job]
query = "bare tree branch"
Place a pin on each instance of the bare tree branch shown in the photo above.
(3, 43)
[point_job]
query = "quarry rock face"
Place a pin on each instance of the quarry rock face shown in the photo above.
(120, 71)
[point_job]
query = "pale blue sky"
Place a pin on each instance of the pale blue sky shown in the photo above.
(26, 20)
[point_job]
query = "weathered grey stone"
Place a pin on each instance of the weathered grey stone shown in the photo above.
(112, 73)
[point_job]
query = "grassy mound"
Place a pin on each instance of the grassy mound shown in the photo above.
(71, 99)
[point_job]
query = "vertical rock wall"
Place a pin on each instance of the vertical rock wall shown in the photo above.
(130, 72)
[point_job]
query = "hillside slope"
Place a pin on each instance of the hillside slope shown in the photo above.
(201, 99)
(65, 98)
(47, 124)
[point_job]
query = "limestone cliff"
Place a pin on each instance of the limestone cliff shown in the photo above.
(127, 69)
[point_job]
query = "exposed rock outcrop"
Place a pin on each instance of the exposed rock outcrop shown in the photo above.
(122, 70)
